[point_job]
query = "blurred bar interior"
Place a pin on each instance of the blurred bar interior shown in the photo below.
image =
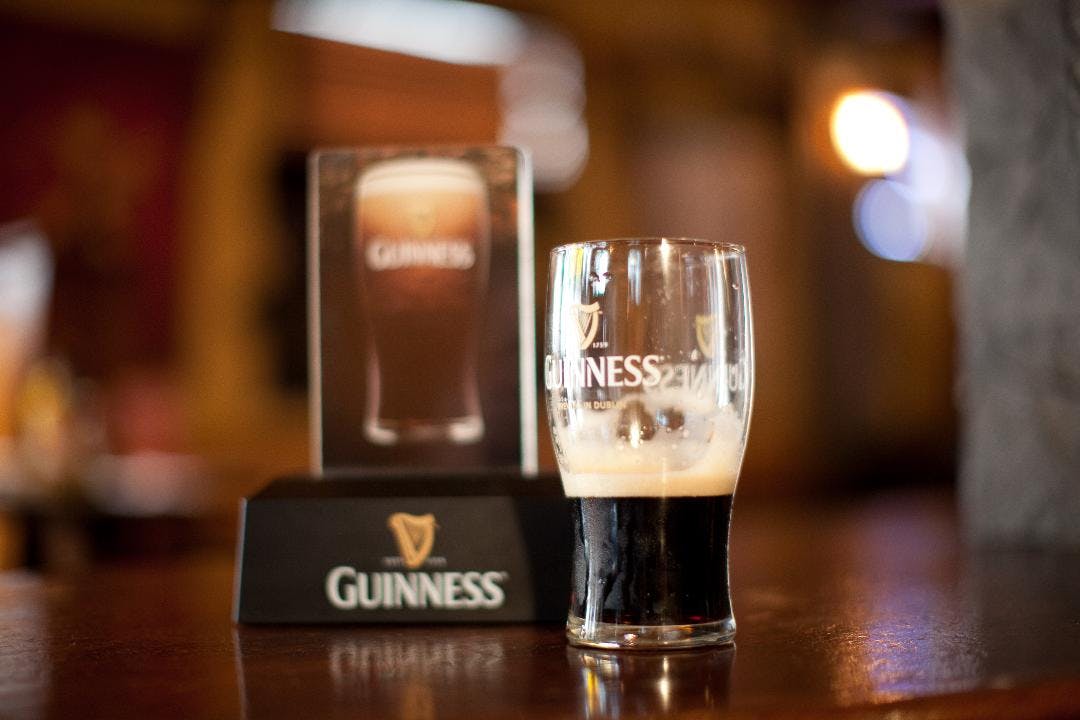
(152, 261)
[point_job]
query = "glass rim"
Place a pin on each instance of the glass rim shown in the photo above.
(652, 241)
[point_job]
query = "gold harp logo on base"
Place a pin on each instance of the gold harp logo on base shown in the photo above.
(415, 536)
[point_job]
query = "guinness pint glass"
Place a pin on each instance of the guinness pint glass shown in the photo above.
(423, 235)
(648, 372)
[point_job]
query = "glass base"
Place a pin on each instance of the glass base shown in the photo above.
(648, 637)
(459, 431)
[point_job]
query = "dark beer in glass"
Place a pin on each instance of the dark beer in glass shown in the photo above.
(648, 372)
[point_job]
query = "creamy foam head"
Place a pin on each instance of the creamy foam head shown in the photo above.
(406, 175)
(701, 459)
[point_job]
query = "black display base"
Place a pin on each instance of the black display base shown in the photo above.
(406, 548)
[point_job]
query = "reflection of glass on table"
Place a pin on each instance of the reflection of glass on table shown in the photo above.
(649, 685)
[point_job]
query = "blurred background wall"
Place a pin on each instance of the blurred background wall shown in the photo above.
(154, 164)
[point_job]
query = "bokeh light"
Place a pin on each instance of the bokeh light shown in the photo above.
(870, 133)
(542, 97)
(890, 222)
(914, 207)
(448, 30)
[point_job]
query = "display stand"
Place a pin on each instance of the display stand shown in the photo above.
(406, 548)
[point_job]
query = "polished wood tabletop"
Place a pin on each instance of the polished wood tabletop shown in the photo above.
(862, 608)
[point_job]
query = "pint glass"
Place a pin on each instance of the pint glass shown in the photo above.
(423, 237)
(648, 372)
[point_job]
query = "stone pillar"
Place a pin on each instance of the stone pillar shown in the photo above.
(1016, 73)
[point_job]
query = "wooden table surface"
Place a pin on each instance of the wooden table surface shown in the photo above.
(863, 609)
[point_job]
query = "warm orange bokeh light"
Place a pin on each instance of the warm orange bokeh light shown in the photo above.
(870, 133)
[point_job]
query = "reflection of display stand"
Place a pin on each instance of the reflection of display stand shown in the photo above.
(416, 548)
